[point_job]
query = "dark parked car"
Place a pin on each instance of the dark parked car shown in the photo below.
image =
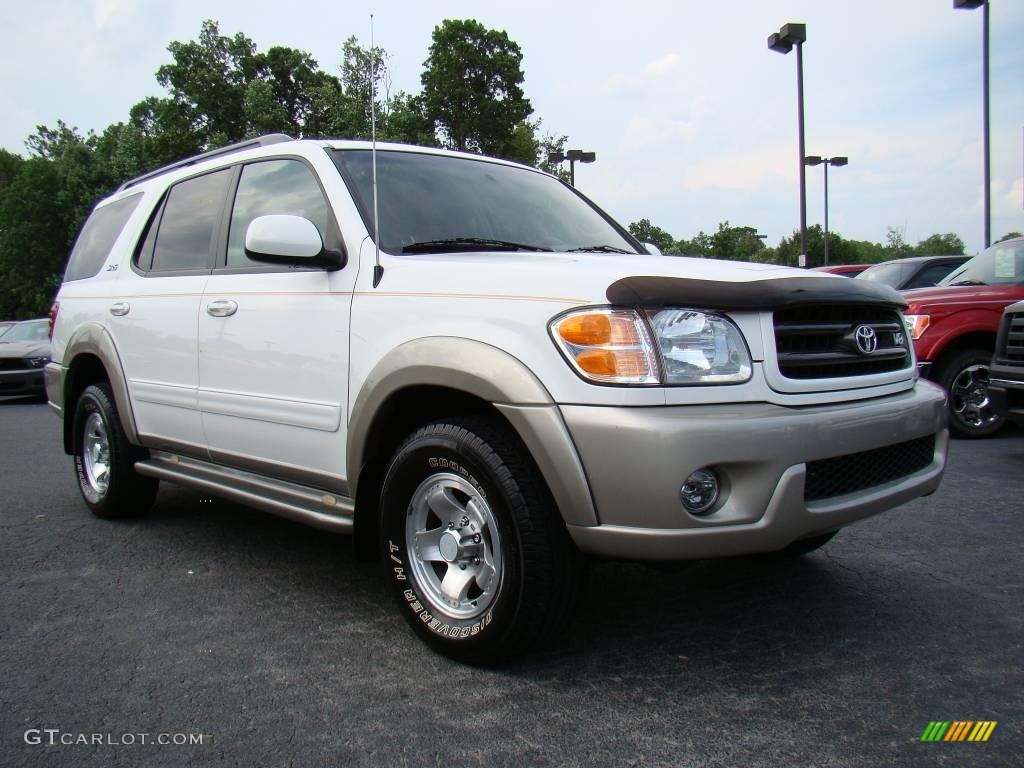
(24, 352)
(913, 272)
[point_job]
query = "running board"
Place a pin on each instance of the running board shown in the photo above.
(295, 502)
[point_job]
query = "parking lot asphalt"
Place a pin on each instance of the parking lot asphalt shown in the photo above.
(272, 642)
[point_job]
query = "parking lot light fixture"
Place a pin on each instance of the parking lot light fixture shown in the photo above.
(573, 156)
(836, 162)
(789, 36)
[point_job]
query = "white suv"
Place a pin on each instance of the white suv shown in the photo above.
(508, 382)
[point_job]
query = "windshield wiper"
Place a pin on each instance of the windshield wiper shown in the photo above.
(469, 244)
(597, 249)
(969, 282)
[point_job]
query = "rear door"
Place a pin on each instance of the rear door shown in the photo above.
(273, 340)
(153, 319)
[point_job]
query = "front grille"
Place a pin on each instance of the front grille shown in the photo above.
(1012, 340)
(820, 342)
(854, 472)
(13, 364)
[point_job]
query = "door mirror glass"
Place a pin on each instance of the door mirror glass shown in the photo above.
(282, 238)
(653, 249)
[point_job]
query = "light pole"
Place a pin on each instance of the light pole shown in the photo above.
(838, 162)
(573, 156)
(971, 5)
(782, 42)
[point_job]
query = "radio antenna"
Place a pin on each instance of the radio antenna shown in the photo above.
(378, 270)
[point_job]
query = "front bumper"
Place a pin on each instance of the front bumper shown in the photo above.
(1006, 391)
(25, 382)
(636, 459)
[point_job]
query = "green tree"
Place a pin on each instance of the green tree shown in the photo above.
(701, 244)
(735, 243)
(948, 244)
(472, 90)
(646, 232)
(896, 247)
(1010, 236)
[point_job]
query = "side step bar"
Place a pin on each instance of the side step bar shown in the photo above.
(290, 500)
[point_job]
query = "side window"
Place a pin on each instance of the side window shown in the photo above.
(188, 223)
(930, 275)
(273, 186)
(97, 238)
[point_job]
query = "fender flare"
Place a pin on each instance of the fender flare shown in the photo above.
(92, 338)
(490, 374)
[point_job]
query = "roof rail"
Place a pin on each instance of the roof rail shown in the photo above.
(260, 141)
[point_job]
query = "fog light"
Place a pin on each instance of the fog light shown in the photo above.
(700, 492)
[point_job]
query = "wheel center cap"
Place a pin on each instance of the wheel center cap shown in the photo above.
(449, 546)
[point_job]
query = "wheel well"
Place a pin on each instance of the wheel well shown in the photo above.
(399, 416)
(84, 370)
(972, 340)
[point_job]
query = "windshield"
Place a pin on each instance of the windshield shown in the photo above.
(27, 332)
(887, 274)
(1002, 264)
(437, 204)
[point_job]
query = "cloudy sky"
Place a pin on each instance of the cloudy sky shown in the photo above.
(693, 119)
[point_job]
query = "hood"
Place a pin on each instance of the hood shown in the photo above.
(24, 348)
(603, 278)
(954, 295)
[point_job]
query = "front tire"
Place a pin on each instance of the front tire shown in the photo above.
(105, 460)
(475, 550)
(965, 379)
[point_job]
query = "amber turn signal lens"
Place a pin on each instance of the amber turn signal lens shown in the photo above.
(600, 362)
(586, 330)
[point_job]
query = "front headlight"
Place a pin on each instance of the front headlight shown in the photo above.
(700, 348)
(621, 346)
(37, 362)
(916, 325)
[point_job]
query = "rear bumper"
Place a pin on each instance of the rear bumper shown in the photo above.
(27, 382)
(636, 459)
(1006, 391)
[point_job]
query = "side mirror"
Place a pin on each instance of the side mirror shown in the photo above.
(653, 249)
(286, 239)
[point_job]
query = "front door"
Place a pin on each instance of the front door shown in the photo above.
(273, 340)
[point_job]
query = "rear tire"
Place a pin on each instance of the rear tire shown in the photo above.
(964, 376)
(105, 460)
(474, 548)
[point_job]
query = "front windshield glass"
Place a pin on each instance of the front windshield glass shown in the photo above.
(1002, 264)
(437, 204)
(887, 274)
(27, 332)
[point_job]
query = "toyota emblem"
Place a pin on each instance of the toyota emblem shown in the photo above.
(867, 339)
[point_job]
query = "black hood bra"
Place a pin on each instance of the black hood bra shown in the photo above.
(653, 292)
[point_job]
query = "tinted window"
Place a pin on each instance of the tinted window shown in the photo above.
(274, 186)
(188, 223)
(930, 275)
(424, 198)
(97, 238)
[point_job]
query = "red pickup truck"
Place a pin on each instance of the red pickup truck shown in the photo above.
(954, 327)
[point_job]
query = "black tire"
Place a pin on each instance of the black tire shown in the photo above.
(804, 546)
(964, 376)
(470, 462)
(124, 493)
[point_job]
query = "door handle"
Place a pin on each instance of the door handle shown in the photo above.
(120, 308)
(222, 308)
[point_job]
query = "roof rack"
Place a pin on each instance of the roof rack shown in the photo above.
(260, 141)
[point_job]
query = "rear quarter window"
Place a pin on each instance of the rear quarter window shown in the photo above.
(97, 237)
